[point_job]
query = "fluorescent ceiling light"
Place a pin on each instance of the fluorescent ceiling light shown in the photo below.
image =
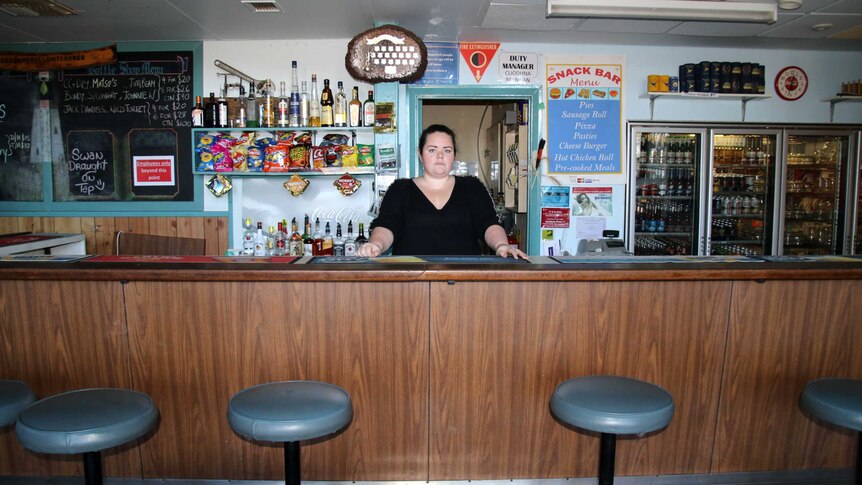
(706, 10)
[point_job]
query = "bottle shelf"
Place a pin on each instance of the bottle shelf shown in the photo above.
(722, 242)
(737, 216)
(742, 98)
(666, 165)
(811, 166)
(674, 234)
(742, 192)
(740, 166)
(665, 197)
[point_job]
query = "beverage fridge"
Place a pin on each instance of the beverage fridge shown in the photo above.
(750, 190)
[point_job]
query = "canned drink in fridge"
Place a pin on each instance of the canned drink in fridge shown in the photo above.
(674, 84)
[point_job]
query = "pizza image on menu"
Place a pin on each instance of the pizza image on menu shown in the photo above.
(569, 93)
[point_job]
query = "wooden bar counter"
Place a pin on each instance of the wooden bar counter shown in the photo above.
(450, 366)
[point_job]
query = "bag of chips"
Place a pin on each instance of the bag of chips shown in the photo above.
(365, 155)
(276, 158)
(349, 158)
(299, 158)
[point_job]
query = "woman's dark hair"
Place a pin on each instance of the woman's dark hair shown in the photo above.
(436, 129)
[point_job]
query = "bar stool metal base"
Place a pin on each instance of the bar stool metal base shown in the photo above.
(607, 456)
(93, 468)
(291, 463)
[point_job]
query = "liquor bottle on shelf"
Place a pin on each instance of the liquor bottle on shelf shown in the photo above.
(267, 109)
(350, 242)
(283, 107)
(293, 111)
(338, 242)
(211, 112)
(221, 107)
(361, 239)
(317, 249)
(307, 240)
(280, 242)
(314, 104)
(326, 105)
(270, 242)
(303, 105)
(327, 241)
(340, 108)
(251, 108)
(259, 241)
(247, 238)
(198, 113)
(354, 109)
(295, 246)
(368, 110)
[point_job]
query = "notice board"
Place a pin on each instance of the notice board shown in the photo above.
(96, 122)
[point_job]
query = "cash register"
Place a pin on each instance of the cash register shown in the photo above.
(610, 245)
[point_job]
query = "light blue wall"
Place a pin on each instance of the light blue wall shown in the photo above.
(826, 70)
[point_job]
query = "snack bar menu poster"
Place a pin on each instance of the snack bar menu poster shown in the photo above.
(584, 117)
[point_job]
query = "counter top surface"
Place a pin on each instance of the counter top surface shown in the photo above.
(168, 268)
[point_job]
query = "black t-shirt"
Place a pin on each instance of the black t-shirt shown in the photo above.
(422, 229)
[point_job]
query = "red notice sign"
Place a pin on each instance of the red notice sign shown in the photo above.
(555, 217)
(153, 170)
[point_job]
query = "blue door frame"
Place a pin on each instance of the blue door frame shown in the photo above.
(416, 95)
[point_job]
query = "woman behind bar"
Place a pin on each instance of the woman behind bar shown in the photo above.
(437, 213)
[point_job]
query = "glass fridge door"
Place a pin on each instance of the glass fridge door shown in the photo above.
(665, 176)
(742, 192)
(813, 165)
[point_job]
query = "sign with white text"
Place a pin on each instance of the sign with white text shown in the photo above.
(584, 118)
(153, 170)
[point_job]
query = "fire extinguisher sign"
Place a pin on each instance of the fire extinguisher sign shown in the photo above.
(478, 56)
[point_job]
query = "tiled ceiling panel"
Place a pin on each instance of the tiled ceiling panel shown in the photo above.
(431, 20)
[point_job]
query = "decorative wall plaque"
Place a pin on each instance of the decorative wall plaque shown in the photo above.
(386, 53)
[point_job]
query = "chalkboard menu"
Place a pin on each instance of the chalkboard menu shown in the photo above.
(119, 131)
(20, 179)
(112, 115)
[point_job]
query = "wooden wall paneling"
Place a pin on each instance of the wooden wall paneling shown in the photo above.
(139, 224)
(124, 224)
(215, 230)
(36, 224)
(163, 226)
(496, 357)
(191, 227)
(105, 242)
(203, 342)
(495, 364)
(88, 227)
(9, 225)
(50, 343)
(782, 335)
(68, 225)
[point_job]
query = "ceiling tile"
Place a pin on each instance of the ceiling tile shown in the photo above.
(800, 28)
(627, 26)
(522, 17)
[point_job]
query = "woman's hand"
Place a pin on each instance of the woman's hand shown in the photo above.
(504, 250)
(369, 250)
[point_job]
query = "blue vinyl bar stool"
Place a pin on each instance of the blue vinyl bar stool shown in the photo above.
(15, 396)
(612, 406)
(837, 401)
(86, 421)
(289, 412)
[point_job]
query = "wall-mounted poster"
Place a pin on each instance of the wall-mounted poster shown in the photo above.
(585, 123)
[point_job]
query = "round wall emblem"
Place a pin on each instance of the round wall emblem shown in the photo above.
(791, 83)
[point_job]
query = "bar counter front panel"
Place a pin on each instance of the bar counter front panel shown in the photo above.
(450, 376)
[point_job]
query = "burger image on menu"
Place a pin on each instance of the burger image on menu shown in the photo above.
(555, 93)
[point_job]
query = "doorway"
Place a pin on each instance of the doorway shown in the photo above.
(496, 128)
